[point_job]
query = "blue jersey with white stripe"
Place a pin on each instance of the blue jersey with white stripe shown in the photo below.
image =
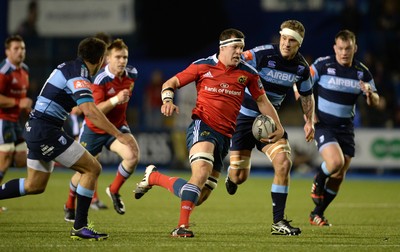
(278, 76)
(337, 89)
(67, 86)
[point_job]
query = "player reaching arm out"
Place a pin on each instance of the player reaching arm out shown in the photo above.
(98, 118)
(47, 142)
(112, 88)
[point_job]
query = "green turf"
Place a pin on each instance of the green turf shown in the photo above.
(364, 217)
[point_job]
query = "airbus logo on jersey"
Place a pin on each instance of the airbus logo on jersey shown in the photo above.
(341, 82)
(280, 76)
(78, 84)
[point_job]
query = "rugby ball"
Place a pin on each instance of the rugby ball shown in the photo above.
(263, 125)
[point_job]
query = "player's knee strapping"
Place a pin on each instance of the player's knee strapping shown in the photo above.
(21, 147)
(202, 156)
(211, 183)
(7, 147)
(239, 162)
(282, 145)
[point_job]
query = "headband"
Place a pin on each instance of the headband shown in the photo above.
(231, 41)
(294, 34)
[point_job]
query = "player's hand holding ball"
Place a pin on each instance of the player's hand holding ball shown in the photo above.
(263, 126)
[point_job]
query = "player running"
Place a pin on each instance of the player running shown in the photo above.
(112, 89)
(281, 67)
(339, 80)
(221, 81)
(67, 86)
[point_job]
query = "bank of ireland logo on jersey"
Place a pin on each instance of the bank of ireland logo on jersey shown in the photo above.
(62, 140)
(224, 85)
(78, 84)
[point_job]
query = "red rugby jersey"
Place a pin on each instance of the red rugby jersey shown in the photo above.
(220, 91)
(105, 86)
(14, 82)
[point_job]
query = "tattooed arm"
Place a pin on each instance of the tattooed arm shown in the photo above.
(308, 107)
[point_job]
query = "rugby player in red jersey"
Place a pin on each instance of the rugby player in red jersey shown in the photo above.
(220, 80)
(14, 84)
(112, 88)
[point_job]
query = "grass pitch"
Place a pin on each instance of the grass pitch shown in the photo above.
(364, 217)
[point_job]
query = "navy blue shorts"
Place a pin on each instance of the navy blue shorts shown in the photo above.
(11, 132)
(243, 138)
(344, 136)
(94, 142)
(198, 131)
(45, 140)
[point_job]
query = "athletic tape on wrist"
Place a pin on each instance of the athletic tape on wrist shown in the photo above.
(167, 94)
(114, 100)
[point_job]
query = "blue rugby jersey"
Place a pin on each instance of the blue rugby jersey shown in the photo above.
(278, 76)
(67, 86)
(337, 89)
